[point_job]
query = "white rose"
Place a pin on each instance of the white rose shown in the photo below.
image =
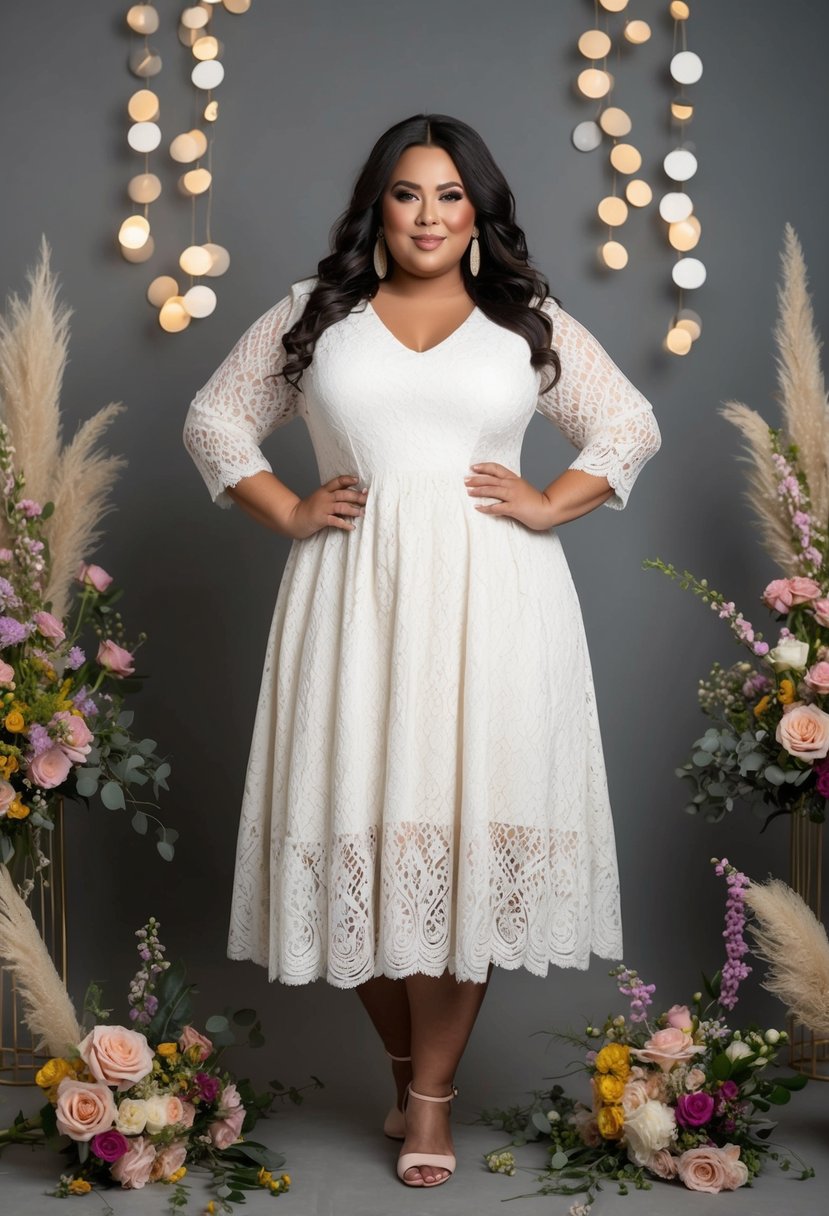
(648, 1129)
(789, 655)
(132, 1116)
(156, 1113)
(738, 1050)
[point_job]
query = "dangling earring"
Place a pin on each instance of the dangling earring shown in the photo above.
(474, 253)
(380, 263)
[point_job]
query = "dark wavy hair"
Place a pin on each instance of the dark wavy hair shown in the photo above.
(503, 289)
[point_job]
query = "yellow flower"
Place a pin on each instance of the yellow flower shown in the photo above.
(286, 1178)
(79, 1186)
(11, 764)
(786, 692)
(264, 1176)
(275, 1185)
(17, 810)
(177, 1175)
(211, 1207)
(615, 1058)
(14, 721)
(610, 1088)
(53, 1072)
(762, 705)
(611, 1122)
(167, 1049)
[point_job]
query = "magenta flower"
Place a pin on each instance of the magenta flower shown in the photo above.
(693, 1110)
(110, 1145)
(208, 1086)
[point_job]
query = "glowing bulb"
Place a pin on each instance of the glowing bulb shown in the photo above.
(142, 254)
(161, 289)
(638, 192)
(586, 136)
(625, 158)
(612, 211)
(184, 148)
(686, 318)
(143, 106)
(144, 188)
(682, 109)
(614, 255)
(200, 301)
(196, 181)
(142, 18)
(594, 44)
(206, 47)
(593, 82)
(685, 234)
(678, 341)
(637, 32)
(679, 11)
(615, 122)
(613, 6)
(220, 260)
(211, 111)
(134, 232)
(144, 61)
(173, 316)
(195, 260)
(194, 18)
(236, 6)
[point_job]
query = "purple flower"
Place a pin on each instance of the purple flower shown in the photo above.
(13, 631)
(75, 657)
(693, 1110)
(39, 740)
(734, 969)
(8, 596)
(82, 701)
(29, 507)
(208, 1086)
(109, 1146)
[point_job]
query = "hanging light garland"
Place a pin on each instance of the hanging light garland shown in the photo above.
(677, 207)
(201, 258)
(597, 83)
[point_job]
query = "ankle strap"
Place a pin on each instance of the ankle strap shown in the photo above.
(388, 1053)
(432, 1098)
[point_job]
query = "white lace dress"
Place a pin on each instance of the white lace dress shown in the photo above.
(426, 785)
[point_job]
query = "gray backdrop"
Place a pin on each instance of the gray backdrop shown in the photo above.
(308, 89)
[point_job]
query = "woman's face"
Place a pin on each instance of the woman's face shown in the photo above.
(426, 197)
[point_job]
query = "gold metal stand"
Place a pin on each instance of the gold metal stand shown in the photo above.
(807, 1053)
(47, 901)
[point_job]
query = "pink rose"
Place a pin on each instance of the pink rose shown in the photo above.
(711, 1169)
(821, 611)
(169, 1160)
(116, 660)
(49, 626)
(93, 576)
(679, 1016)
(778, 595)
(229, 1099)
(136, 1165)
(634, 1095)
(223, 1132)
(188, 1113)
(817, 677)
(50, 768)
(662, 1163)
(670, 1046)
(190, 1037)
(584, 1121)
(803, 589)
(6, 674)
(804, 731)
(6, 555)
(78, 738)
(117, 1055)
(695, 1079)
(84, 1108)
(7, 796)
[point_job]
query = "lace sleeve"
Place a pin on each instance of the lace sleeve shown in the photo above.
(598, 409)
(237, 408)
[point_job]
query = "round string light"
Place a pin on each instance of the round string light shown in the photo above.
(200, 301)
(612, 211)
(686, 318)
(685, 234)
(638, 193)
(614, 255)
(144, 188)
(134, 232)
(220, 259)
(678, 341)
(615, 122)
(594, 44)
(143, 106)
(161, 289)
(625, 158)
(143, 19)
(586, 136)
(196, 181)
(142, 254)
(637, 32)
(173, 316)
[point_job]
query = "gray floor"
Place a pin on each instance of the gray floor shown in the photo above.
(341, 1164)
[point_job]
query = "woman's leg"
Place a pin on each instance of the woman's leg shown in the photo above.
(387, 1004)
(443, 1012)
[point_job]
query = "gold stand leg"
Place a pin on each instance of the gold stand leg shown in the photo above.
(807, 1053)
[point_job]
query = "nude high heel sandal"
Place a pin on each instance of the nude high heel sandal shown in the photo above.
(442, 1161)
(394, 1125)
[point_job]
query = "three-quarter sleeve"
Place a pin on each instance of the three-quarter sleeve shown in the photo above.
(598, 409)
(237, 408)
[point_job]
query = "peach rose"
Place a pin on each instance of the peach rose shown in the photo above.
(662, 1163)
(668, 1047)
(711, 1169)
(6, 674)
(162, 1110)
(136, 1165)
(50, 768)
(817, 677)
(94, 576)
(190, 1037)
(804, 731)
(223, 1132)
(7, 796)
(584, 1121)
(170, 1159)
(679, 1016)
(84, 1108)
(49, 626)
(635, 1095)
(694, 1080)
(117, 1055)
(115, 659)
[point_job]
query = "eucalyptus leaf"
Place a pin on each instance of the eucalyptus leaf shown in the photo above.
(112, 796)
(540, 1120)
(559, 1160)
(774, 775)
(166, 850)
(216, 1021)
(86, 785)
(702, 758)
(140, 822)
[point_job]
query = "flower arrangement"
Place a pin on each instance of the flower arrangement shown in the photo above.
(63, 728)
(147, 1102)
(770, 738)
(679, 1096)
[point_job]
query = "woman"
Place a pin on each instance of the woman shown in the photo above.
(426, 794)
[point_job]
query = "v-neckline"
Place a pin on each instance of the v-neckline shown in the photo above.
(429, 349)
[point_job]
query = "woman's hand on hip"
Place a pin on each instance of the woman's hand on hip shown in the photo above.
(518, 498)
(327, 507)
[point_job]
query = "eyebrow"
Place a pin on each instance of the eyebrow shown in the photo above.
(416, 186)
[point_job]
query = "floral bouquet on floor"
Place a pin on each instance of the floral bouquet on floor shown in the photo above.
(679, 1096)
(63, 728)
(141, 1103)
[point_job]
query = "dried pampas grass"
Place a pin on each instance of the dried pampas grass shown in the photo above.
(789, 937)
(49, 1011)
(805, 409)
(78, 478)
